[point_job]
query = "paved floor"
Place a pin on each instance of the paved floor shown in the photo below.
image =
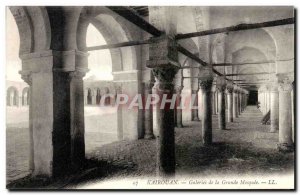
(246, 147)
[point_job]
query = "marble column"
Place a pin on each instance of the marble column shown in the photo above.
(195, 116)
(235, 103)
(274, 114)
(285, 114)
(206, 85)
(148, 112)
(221, 104)
(178, 90)
(229, 90)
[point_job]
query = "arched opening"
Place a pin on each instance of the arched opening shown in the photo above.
(17, 106)
(100, 119)
(25, 96)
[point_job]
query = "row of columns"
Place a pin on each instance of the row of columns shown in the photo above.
(278, 98)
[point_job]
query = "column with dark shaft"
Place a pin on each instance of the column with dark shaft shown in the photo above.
(274, 114)
(195, 105)
(206, 85)
(178, 90)
(285, 113)
(221, 86)
(229, 90)
(164, 71)
(148, 112)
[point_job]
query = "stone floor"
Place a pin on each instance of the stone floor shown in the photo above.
(246, 147)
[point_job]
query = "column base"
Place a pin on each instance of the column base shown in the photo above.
(196, 119)
(149, 136)
(285, 147)
(179, 125)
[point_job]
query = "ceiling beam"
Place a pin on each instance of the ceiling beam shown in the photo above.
(238, 27)
(134, 18)
(131, 16)
(244, 74)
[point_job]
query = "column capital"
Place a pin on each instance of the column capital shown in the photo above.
(206, 84)
(221, 84)
(285, 82)
(229, 89)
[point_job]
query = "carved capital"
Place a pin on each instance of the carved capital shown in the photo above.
(165, 74)
(285, 82)
(206, 85)
(229, 89)
(26, 76)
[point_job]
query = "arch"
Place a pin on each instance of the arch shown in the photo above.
(25, 96)
(34, 28)
(12, 96)
(114, 29)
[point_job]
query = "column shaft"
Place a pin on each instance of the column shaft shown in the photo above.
(148, 113)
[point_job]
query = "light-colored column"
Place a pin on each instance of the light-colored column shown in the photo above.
(206, 85)
(229, 90)
(285, 114)
(148, 112)
(213, 104)
(235, 104)
(274, 114)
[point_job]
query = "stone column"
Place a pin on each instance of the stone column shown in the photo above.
(77, 118)
(164, 72)
(216, 102)
(206, 85)
(213, 90)
(27, 78)
(285, 113)
(221, 86)
(274, 114)
(195, 110)
(178, 107)
(148, 113)
(235, 103)
(241, 102)
(229, 90)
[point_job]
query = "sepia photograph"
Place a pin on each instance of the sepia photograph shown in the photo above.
(150, 97)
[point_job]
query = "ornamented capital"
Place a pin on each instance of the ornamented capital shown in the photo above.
(229, 89)
(206, 85)
(26, 76)
(285, 82)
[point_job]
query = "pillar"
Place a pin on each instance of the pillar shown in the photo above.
(274, 114)
(56, 115)
(221, 86)
(213, 104)
(148, 112)
(206, 85)
(229, 90)
(235, 103)
(164, 72)
(285, 113)
(178, 90)
(195, 116)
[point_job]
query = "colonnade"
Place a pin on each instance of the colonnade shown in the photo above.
(278, 98)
